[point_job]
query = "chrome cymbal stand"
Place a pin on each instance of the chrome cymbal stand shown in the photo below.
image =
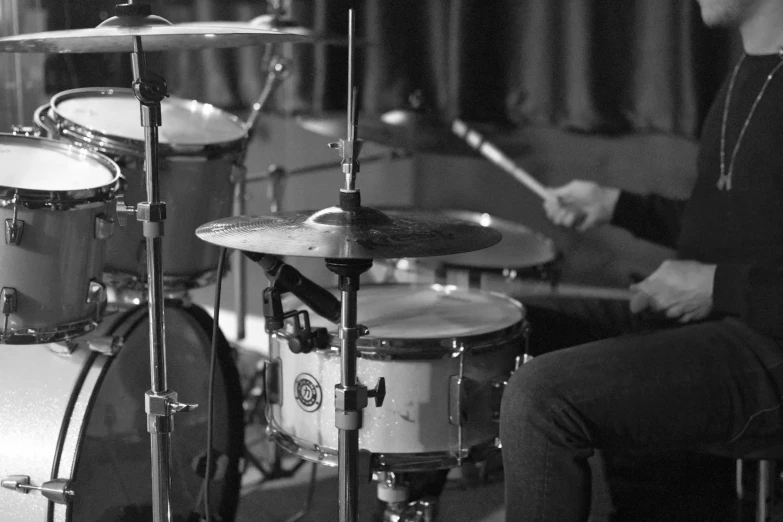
(160, 402)
(350, 396)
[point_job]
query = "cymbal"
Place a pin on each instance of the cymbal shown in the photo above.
(410, 131)
(364, 234)
(157, 34)
(274, 23)
(520, 247)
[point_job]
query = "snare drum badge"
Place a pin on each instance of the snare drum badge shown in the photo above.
(307, 392)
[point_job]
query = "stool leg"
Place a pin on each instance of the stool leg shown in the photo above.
(740, 490)
(764, 491)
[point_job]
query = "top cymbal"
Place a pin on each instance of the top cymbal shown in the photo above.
(411, 131)
(275, 23)
(334, 233)
(157, 34)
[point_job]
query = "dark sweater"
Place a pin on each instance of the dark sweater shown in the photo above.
(740, 230)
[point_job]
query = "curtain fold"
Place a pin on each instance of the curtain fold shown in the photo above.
(600, 66)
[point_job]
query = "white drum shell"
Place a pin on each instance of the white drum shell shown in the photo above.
(38, 386)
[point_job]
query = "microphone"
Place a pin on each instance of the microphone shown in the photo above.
(288, 278)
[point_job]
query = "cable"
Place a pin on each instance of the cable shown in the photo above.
(211, 389)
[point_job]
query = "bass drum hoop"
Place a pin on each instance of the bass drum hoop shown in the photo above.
(126, 323)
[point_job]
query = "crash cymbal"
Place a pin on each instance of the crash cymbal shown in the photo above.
(114, 35)
(410, 131)
(364, 234)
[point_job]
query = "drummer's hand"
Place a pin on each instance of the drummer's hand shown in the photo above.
(581, 205)
(680, 290)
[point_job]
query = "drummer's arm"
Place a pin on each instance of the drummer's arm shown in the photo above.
(651, 217)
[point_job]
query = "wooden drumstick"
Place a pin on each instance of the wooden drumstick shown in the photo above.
(477, 142)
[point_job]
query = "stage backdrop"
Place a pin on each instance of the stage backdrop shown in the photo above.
(586, 65)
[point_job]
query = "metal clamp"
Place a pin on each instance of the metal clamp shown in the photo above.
(151, 212)
(106, 345)
(349, 401)
(352, 333)
(56, 490)
(14, 227)
(123, 210)
(160, 407)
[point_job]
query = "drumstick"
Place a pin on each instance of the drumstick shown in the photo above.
(477, 142)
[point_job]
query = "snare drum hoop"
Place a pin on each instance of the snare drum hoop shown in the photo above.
(390, 348)
(382, 461)
(35, 199)
(98, 139)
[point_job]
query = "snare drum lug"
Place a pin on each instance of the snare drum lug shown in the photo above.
(104, 226)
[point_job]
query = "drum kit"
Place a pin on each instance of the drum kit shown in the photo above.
(406, 398)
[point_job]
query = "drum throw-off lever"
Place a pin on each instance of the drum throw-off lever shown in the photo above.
(56, 490)
(160, 407)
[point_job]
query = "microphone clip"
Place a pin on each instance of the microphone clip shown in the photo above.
(302, 338)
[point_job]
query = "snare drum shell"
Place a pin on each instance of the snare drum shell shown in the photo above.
(415, 415)
(52, 266)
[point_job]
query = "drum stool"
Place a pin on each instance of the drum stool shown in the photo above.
(765, 490)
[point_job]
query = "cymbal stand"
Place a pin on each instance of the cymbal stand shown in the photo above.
(160, 402)
(278, 71)
(350, 397)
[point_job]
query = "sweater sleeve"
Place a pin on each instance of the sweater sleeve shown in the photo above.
(651, 217)
(752, 292)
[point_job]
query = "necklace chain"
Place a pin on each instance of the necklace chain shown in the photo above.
(724, 181)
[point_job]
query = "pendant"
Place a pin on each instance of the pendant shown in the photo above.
(724, 182)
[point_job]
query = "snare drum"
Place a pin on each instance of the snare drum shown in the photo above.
(199, 148)
(80, 417)
(56, 200)
(444, 353)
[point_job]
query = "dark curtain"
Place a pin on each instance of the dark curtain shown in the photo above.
(607, 66)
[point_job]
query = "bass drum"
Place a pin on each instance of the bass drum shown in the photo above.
(80, 417)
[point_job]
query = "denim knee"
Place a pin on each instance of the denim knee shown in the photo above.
(537, 399)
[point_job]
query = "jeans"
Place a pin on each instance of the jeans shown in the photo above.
(711, 383)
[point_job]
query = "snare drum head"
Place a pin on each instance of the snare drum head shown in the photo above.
(115, 112)
(431, 311)
(49, 165)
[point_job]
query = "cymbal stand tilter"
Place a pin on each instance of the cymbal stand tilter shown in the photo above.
(161, 402)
